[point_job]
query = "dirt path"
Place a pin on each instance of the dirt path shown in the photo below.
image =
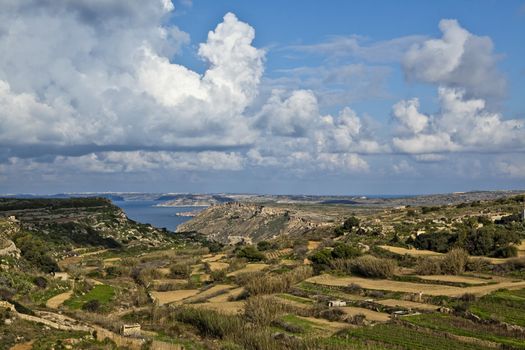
(213, 258)
(410, 287)
(57, 300)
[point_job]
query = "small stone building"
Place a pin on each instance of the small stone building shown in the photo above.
(336, 303)
(130, 330)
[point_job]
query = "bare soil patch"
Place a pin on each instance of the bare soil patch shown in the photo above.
(210, 292)
(370, 314)
(173, 296)
(222, 298)
(249, 268)
(456, 279)
(215, 265)
(57, 300)
(228, 308)
(411, 252)
(212, 258)
(313, 245)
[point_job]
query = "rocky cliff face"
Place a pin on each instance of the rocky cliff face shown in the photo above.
(234, 222)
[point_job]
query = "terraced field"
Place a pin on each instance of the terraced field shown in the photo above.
(410, 287)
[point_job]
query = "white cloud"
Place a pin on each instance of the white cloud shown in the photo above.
(406, 112)
(291, 116)
(462, 125)
(511, 169)
(457, 59)
(360, 47)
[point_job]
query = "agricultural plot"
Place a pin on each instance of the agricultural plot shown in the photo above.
(410, 287)
(163, 298)
(369, 314)
(249, 268)
(407, 304)
(502, 305)
(217, 265)
(456, 279)
(467, 328)
(398, 336)
(104, 294)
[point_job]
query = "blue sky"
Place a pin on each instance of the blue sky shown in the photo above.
(338, 97)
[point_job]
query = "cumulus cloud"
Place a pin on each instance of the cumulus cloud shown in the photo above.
(101, 73)
(457, 59)
(463, 124)
(408, 115)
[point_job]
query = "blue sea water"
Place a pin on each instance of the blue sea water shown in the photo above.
(161, 217)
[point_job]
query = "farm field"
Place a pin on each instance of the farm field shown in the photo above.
(410, 287)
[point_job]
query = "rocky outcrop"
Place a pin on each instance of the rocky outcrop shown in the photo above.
(247, 222)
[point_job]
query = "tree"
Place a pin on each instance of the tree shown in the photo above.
(350, 223)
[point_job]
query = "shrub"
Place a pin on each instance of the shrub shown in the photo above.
(506, 252)
(370, 266)
(264, 245)
(251, 253)
(350, 223)
(91, 306)
(209, 323)
(345, 251)
(263, 310)
(218, 275)
(40, 282)
(454, 262)
(180, 270)
(269, 284)
(428, 266)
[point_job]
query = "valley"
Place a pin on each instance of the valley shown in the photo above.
(76, 273)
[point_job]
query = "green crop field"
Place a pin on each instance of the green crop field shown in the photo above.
(407, 338)
(103, 293)
(463, 327)
(503, 305)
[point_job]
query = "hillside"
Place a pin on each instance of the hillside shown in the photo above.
(67, 224)
(247, 222)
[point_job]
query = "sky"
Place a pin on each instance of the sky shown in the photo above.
(279, 97)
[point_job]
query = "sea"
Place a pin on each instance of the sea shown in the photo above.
(146, 212)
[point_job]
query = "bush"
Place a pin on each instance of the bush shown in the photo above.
(180, 270)
(251, 253)
(345, 251)
(40, 282)
(209, 323)
(91, 306)
(263, 310)
(509, 251)
(454, 262)
(269, 284)
(370, 266)
(428, 266)
(264, 245)
(350, 223)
